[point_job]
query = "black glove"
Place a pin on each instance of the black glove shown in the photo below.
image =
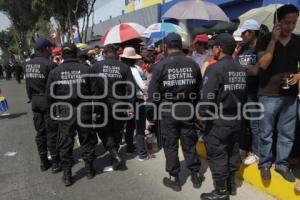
(200, 129)
(201, 126)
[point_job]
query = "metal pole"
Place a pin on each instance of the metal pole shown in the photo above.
(276, 16)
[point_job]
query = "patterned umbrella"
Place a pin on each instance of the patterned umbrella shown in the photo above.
(122, 33)
(161, 30)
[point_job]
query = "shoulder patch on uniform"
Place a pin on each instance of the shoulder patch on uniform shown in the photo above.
(205, 80)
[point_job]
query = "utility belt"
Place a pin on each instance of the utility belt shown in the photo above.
(73, 103)
(39, 94)
(39, 103)
(64, 108)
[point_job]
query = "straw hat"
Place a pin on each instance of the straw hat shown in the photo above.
(129, 53)
(297, 187)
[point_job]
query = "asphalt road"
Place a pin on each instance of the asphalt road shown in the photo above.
(20, 178)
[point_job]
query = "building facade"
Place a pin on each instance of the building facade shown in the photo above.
(146, 12)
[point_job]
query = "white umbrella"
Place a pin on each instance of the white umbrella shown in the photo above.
(265, 15)
(196, 9)
(122, 33)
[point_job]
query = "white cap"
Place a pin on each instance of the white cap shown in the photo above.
(237, 35)
(249, 24)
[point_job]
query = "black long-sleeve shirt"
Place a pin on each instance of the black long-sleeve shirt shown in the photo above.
(36, 72)
(116, 75)
(223, 92)
(70, 75)
(174, 79)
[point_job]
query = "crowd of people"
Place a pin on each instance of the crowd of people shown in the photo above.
(178, 93)
(9, 69)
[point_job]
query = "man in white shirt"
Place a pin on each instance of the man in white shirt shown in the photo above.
(201, 53)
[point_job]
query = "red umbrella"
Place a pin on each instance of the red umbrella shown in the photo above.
(122, 33)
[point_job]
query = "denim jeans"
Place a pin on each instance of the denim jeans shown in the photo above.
(284, 109)
(140, 131)
(296, 148)
(254, 124)
(251, 125)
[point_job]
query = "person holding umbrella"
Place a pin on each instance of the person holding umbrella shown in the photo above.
(278, 57)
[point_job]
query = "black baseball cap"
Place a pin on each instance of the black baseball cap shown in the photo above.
(110, 48)
(69, 50)
(173, 40)
(150, 48)
(42, 42)
(224, 40)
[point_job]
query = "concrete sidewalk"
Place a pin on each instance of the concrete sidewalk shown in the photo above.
(20, 178)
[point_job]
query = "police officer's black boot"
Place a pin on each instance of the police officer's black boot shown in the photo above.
(67, 177)
(196, 179)
(172, 182)
(220, 192)
(90, 171)
(55, 164)
(116, 161)
(45, 163)
(231, 186)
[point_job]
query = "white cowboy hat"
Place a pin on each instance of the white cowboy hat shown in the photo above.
(129, 53)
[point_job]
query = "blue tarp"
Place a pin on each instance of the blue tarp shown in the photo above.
(233, 8)
(295, 2)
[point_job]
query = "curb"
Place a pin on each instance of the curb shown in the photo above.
(277, 187)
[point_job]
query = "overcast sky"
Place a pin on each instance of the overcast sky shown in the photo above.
(4, 22)
(106, 8)
(103, 10)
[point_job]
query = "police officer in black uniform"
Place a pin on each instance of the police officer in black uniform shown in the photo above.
(177, 80)
(224, 85)
(70, 86)
(36, 72)
(113, 70)
(18, 71)
(8, 70)
(1, 71)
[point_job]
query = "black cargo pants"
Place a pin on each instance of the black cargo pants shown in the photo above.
(172, 130)
(67, 131)
(222, 146)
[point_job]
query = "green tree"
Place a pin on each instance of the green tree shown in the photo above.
(23, 18)
(66, 12)
(8, 43)
(86, 19)
(31, 17)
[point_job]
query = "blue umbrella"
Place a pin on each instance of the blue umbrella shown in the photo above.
(158, 31)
